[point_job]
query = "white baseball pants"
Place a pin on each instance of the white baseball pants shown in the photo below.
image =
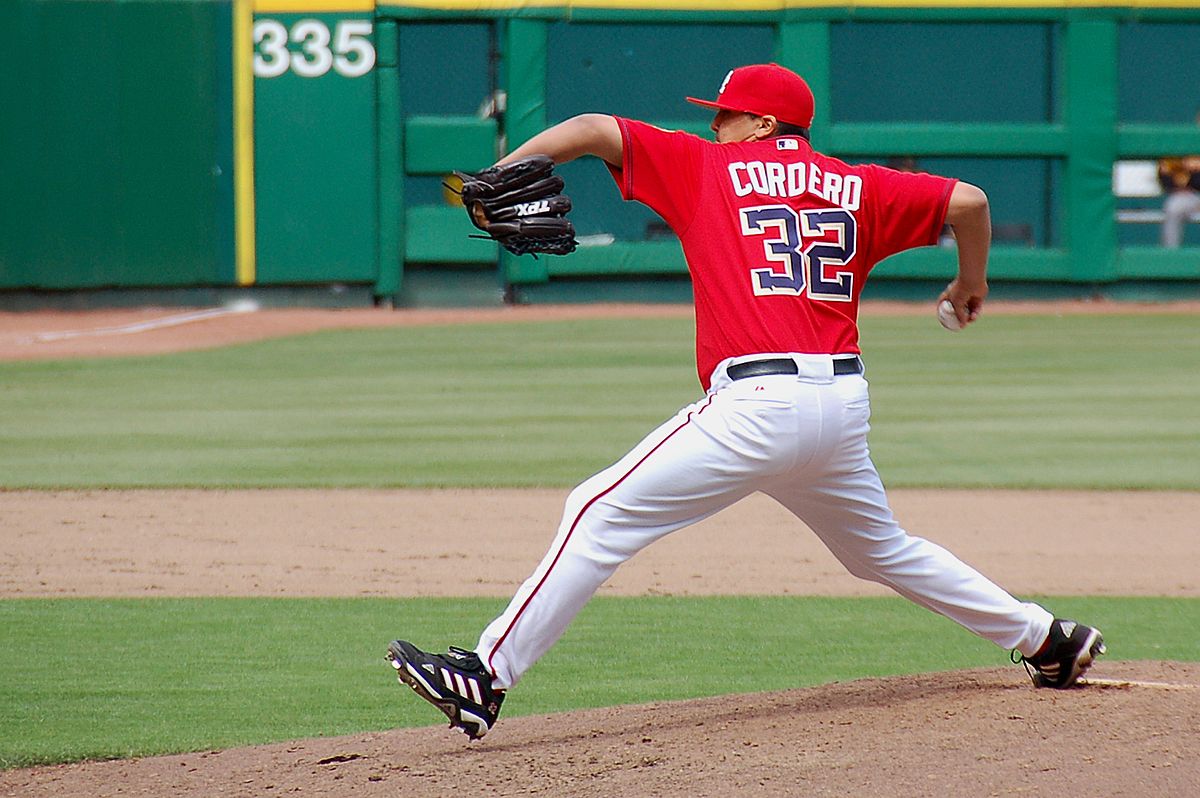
(801, 439)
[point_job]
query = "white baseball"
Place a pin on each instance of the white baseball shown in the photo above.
(945, 314)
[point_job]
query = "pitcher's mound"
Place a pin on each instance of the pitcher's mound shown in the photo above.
(1133, 731)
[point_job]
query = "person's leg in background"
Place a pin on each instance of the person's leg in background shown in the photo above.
(1178, 206)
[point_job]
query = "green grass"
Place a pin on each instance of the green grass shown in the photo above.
(1078, 401)
(82, 679)
(1038, 402)
(1029, 402)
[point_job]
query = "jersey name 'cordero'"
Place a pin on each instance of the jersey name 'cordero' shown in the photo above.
(775, 179)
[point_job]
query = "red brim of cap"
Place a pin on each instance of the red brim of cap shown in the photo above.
(711, 104)
(726, 107)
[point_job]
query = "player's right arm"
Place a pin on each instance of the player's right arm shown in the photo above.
(969, 216)
(586, 134)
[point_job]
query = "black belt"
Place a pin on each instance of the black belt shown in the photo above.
(785, 365)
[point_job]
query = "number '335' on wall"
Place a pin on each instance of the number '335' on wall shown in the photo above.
(348, 51)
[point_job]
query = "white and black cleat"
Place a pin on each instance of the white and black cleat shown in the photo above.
(456, 683)
(1069, 652)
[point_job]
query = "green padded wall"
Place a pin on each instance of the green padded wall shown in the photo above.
(114, 144)
(315, 169)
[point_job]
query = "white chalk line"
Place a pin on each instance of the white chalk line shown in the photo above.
(247, 306)
(1137, 683)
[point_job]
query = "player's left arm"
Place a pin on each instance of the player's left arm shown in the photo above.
(968, 214)
(519, 203)
(586, 134)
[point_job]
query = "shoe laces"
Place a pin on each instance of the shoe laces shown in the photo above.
(463, 659)
(1017, 658)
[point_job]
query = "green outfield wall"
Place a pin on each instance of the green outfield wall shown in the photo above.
(115, 153)
(234, 143)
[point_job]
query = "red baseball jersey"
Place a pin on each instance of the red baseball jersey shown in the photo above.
(778, 238)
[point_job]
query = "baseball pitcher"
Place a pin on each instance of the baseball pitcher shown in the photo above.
(779, 240)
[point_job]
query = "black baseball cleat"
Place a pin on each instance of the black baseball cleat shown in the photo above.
(455, 682)
(1067, 654)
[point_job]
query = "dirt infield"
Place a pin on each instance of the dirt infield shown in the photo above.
(1132, 732)
(426, 543)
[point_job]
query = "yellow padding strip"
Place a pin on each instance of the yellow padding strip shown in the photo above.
(243, 142)
(314, 6)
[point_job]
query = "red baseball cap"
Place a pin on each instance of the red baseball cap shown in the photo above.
(762, 89)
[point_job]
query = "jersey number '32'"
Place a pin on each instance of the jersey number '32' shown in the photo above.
(808, 246)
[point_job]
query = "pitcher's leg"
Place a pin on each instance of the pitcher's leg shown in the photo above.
(677, 475)
(854, 521)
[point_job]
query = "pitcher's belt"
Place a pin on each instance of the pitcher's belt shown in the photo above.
(783, 365)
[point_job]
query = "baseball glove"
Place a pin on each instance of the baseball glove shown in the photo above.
(521, 205)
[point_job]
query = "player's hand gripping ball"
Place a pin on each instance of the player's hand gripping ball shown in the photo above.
(521, 206)
(945, 314)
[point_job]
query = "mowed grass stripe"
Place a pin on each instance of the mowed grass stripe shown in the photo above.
(133, 677)
(1015, 401)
